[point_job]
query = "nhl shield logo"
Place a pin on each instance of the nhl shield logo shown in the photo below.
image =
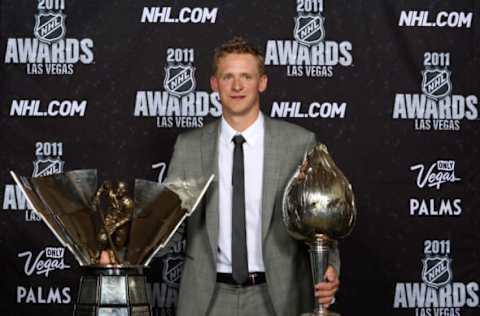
(172, 270)
(49, 27)
(309, 29)
(179, 80)
(436, 271)
(47, 167)
(436, 83)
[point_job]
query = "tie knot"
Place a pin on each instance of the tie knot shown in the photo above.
(238, 139)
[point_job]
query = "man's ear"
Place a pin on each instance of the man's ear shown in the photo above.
(214, 83)
(263, 83)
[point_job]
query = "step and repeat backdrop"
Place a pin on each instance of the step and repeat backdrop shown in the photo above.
(391, 87)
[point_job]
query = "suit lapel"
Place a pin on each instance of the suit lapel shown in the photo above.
(209, 148)
(271, 165)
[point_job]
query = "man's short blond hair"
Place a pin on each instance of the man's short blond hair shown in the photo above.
(238, 45)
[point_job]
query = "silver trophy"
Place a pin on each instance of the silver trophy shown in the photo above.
(104, 223)
(318, 208)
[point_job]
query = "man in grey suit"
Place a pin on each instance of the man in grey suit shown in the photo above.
(277, 280)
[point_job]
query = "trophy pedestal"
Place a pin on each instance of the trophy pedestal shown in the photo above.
(328, 313)
(319, 250)
(112, 291)
(322, 312)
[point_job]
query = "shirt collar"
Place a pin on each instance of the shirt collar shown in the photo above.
(252, 134)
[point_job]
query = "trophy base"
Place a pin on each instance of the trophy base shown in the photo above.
(322, 312)
(112, 291)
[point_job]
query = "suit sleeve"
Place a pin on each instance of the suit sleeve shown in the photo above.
(176, 166)
(334, 254)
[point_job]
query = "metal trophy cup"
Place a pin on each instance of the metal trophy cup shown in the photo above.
(319, 207)
(100, 221)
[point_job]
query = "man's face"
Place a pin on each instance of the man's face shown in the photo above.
(239, 84)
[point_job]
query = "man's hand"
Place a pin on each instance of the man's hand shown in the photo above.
(104, 258)
(325, 291)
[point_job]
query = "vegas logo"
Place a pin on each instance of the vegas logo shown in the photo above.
(47, 260)
(440, 172)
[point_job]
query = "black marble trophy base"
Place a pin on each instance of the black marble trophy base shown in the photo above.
(107, 291)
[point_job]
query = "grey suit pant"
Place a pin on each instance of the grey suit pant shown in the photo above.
(229, 300)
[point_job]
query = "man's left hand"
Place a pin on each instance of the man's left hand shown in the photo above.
(325, 291)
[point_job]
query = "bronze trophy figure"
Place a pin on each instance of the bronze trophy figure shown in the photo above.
(90, 221)
(116, 217)
(318, 208)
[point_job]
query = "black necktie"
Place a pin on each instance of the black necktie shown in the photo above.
(239, 239)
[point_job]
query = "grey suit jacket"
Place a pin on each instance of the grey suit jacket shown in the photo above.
(286, 261)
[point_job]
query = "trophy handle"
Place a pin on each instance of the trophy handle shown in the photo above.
(319, 251)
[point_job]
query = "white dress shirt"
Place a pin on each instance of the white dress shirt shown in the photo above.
(253, 166)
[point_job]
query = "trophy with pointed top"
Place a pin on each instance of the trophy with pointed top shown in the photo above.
(319, 207)
(93, 221)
